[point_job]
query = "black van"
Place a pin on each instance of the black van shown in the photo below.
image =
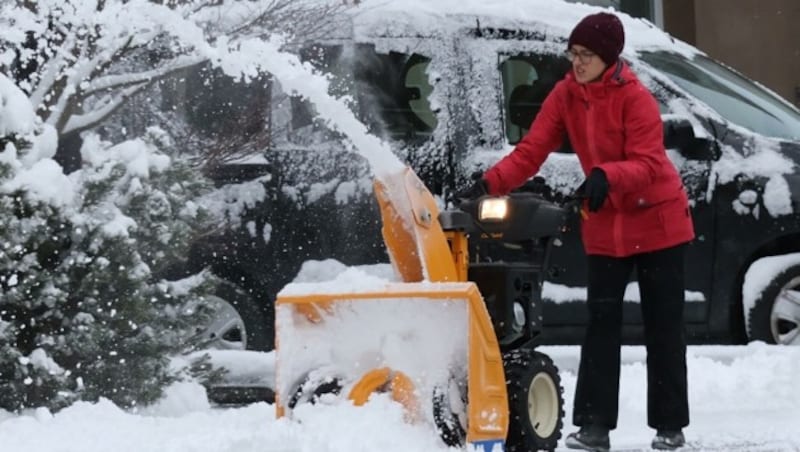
(454, 98)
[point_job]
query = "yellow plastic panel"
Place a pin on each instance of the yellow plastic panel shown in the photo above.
(411, 230)
(405, 338)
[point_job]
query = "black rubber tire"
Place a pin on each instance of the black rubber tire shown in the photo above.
(259, 326)
(763, 326)
(310, 390)
(447, 422)
(530, 371)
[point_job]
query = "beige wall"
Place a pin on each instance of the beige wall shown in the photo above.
(760, 38)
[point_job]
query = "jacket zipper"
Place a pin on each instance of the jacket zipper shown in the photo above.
(590, 126)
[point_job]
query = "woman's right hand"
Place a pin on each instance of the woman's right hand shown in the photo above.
(476, 190)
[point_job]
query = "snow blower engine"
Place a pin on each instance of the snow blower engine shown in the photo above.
(452, 339)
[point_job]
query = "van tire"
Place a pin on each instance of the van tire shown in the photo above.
(770, 321)
(259, 327)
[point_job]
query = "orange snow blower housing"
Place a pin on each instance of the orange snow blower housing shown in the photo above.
(427, 341)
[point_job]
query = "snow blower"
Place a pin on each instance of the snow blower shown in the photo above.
(454, 340)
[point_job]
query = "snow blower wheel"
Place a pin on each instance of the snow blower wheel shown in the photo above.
(312, 389)
(449, 412)
(535, 401)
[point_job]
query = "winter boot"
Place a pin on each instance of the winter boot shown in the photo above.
(589, 437)
(668, 440)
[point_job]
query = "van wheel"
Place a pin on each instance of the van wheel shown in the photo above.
(535, 402)
(241, 323)
(775, 316)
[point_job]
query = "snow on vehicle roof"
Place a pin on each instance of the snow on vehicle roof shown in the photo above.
(550, 18)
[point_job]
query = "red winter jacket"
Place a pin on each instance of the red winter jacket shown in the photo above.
(613, 124)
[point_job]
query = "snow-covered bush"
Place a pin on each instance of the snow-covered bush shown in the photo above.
(83, 314)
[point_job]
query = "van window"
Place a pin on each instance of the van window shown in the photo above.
(731, 95)
(389, 92)
(527, 79)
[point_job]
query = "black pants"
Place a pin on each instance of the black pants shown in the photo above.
(661, 283)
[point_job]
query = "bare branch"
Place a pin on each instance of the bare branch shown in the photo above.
(208, 4)
(116, 56)
(302, 20)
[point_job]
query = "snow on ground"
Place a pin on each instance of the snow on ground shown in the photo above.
(743, 398)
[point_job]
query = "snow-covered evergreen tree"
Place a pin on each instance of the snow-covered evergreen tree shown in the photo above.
(30, 232)
(82, 313)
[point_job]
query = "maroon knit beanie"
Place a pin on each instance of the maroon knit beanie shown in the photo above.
(601, 33)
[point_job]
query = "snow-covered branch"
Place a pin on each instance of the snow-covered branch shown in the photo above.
(79, 122)
(51, 72)
(119, 81)
(81, 60)
(64, 98)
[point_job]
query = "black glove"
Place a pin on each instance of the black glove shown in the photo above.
(476, 190)
(596, 189)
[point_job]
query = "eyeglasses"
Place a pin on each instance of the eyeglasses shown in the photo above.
(584, 56)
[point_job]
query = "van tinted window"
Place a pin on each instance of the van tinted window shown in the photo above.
(527, 80)
(389, 92)
(731, 95)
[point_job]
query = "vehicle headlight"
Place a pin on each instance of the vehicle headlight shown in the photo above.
(493, 209)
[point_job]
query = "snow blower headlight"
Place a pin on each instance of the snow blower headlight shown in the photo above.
(493, 209)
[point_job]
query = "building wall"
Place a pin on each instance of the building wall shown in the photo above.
(759, 38)
(679, 19)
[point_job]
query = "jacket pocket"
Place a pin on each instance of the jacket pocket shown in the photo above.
(653, 195)
(676, 221)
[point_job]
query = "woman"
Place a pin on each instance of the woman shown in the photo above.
(638, 216)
